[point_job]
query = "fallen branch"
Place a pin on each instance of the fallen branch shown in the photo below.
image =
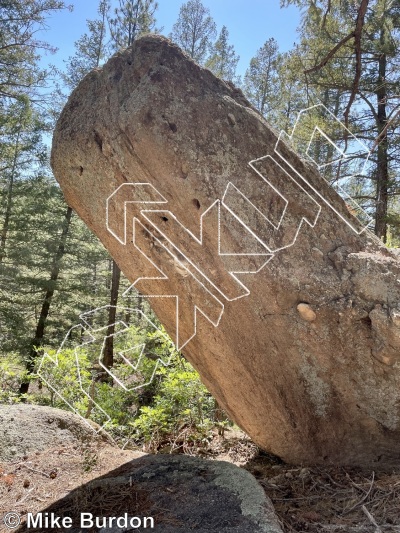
(25, 497)
(371, 519)
(363, 498)
(36, 471)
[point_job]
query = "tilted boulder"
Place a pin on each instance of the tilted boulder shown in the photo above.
(286, 307)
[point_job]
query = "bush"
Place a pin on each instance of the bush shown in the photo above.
(66, 379)
(181, 414)
(174, 408)
(12, 372)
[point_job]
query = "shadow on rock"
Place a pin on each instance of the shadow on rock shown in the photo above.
(166, 494)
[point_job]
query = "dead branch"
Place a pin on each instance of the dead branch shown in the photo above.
(366, 494)
(371, 519)
(36, 471)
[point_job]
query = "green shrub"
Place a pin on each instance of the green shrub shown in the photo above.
(181, 413)
(12, 372)
(65, 379)
(174, 408)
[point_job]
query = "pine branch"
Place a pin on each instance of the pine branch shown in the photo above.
(328, 10)
(329, 56)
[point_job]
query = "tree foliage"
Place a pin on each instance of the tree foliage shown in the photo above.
(195, 30)
(91, 49)
(20, 20)
(223, 59)
(131, 20)
(349, 59)
(261, 78)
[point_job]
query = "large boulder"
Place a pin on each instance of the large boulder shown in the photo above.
(176, 493)
(286, 307)
(26, 429)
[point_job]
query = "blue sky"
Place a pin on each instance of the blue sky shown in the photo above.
(250, 23)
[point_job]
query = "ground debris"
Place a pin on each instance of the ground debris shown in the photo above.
(331, 499)
(306, 499)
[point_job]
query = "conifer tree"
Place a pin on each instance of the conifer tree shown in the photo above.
(195, 30)
(131, 19)
(349, 54)
(261, 78)
(20, 74)
(91, 49)
(223, 59)
(21, 149)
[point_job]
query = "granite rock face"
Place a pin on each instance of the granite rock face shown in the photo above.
(25, 429)
(289, 311)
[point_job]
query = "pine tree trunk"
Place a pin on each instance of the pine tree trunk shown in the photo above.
(382, 174)
(44, 313)
(9, 199)
(334, 176)
(108, 354)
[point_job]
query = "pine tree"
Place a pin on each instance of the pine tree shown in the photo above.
(291, 95)
(91, 49)
(261, 78)
(20, 74)
(195, 30)
(37, 342)
(21, 149)
(25, 273)
(223, 59)
(131, 20)
(350, 59)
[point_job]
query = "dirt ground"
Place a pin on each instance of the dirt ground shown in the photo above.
(317, 500)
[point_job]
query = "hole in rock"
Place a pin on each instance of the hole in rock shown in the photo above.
(367, 321)
(98, 140)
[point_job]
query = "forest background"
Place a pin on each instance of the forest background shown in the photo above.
(55, 274)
